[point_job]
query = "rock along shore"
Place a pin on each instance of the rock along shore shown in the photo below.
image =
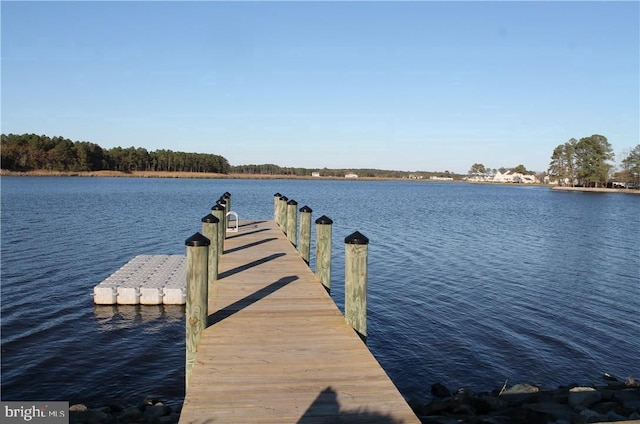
(149, 411)
(617, 401)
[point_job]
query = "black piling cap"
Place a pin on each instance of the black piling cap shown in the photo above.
(210, 219)
(217, 207)
(222, 202)
(277, 195)
(197, 240)
(305, 209)
(356, 238)
(325, 220)
(227, 194)
(284, 198)
(292, 202)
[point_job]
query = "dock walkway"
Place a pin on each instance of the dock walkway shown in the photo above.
(278, 350)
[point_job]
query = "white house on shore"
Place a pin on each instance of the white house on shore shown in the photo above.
(506, 177)
(516, 177)
(351, 175)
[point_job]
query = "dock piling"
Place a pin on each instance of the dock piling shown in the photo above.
(282, 211)
(355, 290)
(227, 197)
(225, 219)
(210, 230)
(305, 233)
(197, 296)
(292, 221)
(323, 250)
(218, 211)
(276, 199)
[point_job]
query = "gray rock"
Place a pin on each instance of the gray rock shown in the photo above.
(496, 420)
(583, 397)
(626, 395)
(592, 416)
(632, 405)
(90, 416)
(485, 404)
(169, 419)
(440, 390)
(131, 413)
(612, 416)
(548, 412)
(156, 411)
(520, 389)
(520, 394)
(606, 407)
(438, 406)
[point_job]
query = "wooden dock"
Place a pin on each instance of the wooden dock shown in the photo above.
(278, 350)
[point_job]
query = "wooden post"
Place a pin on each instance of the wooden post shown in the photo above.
(210, 230)
(276, 198)
(227, 197)
(292, 221)
(282, 206)
(305, 233)
(355, 282)
(197, 296)
(225, 218)
(323, 251)
(218, 212)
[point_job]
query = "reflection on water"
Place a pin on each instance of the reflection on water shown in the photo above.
(112, 317)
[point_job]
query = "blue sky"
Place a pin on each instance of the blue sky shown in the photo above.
(410, 86)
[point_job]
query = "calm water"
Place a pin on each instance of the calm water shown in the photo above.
(469, 285)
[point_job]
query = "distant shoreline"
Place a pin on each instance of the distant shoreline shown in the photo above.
(193, 175)
(597, 190)
(211, 175)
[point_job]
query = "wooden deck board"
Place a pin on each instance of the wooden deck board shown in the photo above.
(278, 350)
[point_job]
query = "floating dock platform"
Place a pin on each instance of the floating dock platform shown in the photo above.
(145, 280)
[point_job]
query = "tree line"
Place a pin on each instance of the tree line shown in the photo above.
(271, 169)
(28, 152)
(587, 163)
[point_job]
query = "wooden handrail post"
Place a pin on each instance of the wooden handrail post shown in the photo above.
(210, 230)
(197, 296)
(276, 198)
(355, 283)
(218, 212)
(292, 221)
(305, 233)
(282, 207)
(323, 250)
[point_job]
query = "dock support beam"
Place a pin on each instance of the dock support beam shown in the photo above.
(323, 251)
(355, 284)
(197, 296)
(305, 233)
